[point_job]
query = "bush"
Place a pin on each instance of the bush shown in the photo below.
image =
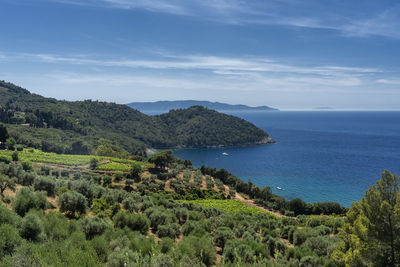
(27, 178)
(15, 156)
(166, 244)
(239, 253)
(169, 230)
(161, 217)
(45, 183)
(32, 228)
(94, 226)
(201, 248)
(27, 166)
(8, 217)
(136, 222)
(64, 173)
(222, 235)
(45, 170)
(5, 160)
(73, 203)
(9, 239)
(94, 163)
(26, 199)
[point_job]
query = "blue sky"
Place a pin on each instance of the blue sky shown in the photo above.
(290, 54)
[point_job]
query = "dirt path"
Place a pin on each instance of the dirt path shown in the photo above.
(251, 203)
(203, 183)
(192, 178)
(168, 185)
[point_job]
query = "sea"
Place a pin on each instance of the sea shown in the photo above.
(318, 155)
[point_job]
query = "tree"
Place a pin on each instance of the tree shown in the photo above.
(73, 203)
(6, 182)
(136, 171)
(162, 159)
(371, 234)
(298, 206)
(3, 134)
(15, 156)
(32, 228)
(9, 239)
(94, 163)
(10, 143)
(26, 199)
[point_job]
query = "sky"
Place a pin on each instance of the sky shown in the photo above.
(288, 54)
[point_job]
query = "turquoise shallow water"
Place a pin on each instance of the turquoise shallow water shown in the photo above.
(319, 156)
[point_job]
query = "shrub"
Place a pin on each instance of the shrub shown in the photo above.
(222, 235)
(32, 228)
(9, 239)
(26, 199)
(27, 166)
(136, 222)
(73, 203)
(239, 253)
(45, 183)
(118, 176)
(161, 217)
(107, 180)
(77, 176)
(45, 170)
(94, 163)
(64, 173)
(15, 156)
(166, 244)
(169, 230)
(198, 247)
(94, 226)
(101, 208)
(8, 217)
(5, 160)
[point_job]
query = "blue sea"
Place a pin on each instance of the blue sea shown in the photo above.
(319, 155)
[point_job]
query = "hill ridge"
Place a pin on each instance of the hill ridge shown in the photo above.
(55, 125)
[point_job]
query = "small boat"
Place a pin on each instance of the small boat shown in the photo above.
(279, 188)
(224, 154)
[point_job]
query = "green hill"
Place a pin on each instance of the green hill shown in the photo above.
(75, 127)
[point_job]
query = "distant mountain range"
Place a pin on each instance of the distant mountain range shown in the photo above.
(165, 106)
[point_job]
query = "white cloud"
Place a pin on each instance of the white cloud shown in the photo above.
(390, 82)
(219, 65)
(274, 12)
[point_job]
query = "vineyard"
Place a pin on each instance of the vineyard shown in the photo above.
(35, 155)
(227, 205)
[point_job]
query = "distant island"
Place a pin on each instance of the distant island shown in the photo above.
(165, 106)
(323, 108)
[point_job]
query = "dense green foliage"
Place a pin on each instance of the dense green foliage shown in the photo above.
(76, 127)
(170, 218)
(371, 234)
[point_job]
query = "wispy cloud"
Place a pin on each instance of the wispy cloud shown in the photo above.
(300, 14)
(389, 82)
(219, 65)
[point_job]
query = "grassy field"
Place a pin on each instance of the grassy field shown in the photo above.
(228, 205)
(35, 155)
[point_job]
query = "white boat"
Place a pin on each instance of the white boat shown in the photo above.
(279, 188)
(224, 154)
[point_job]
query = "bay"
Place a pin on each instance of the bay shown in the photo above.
(319, 155)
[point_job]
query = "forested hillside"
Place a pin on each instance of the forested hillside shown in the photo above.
(75, 127)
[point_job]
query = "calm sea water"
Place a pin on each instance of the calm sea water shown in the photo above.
(319, 156)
